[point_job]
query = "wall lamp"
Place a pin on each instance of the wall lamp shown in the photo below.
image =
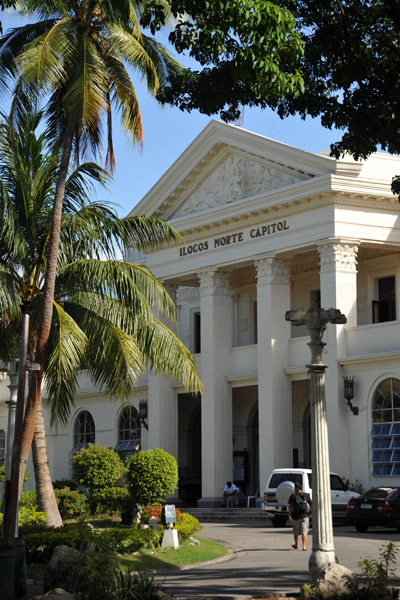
(143, 413)
(348, 382)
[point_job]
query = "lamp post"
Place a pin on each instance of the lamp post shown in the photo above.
(316, 320)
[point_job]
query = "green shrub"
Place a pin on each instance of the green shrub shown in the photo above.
(108, 501)
(28, 515)
(3, 474)
(40, 542)
(28, 499)
(126, 540)
(186, 526)
(97, 467)
(61, 484)
(91, 576)
(71, 503)
(152, 475)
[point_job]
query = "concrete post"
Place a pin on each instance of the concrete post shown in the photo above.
(323, 550)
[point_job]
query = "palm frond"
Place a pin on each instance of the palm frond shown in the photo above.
(130, 283)
(112, 357)
(44, 60)
(67, 347)
(167, 354)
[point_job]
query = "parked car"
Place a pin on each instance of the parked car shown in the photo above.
(281, 484)
(378, 506)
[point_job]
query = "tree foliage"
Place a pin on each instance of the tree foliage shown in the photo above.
(350, 67)
(152, 475)
(247, 49)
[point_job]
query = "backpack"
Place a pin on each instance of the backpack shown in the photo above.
(300, 505)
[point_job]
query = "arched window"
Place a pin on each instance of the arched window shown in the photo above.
(385, 431)
(129, 430)
(2, 446)
(84, 431)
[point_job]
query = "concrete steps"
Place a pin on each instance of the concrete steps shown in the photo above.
(230, 515)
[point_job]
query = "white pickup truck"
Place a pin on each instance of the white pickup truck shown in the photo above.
(281, 484)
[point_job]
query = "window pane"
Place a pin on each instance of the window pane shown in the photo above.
(385, 431)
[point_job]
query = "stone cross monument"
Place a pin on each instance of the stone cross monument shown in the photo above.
(316, 320)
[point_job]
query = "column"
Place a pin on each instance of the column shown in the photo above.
(274, 394)
(216, 405)
(338, 280)
(163, 407)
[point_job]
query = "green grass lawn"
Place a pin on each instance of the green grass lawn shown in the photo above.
(173, 557)
(147, 560)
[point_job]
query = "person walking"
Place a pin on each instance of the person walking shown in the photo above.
(300, 507)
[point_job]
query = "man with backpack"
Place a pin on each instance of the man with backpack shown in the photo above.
(300, 506)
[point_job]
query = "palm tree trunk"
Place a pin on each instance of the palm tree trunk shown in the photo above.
(44, 488)
(34, 393)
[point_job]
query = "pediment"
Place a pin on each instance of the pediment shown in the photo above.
(232, 176)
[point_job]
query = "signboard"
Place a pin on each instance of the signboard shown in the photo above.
(170, 514)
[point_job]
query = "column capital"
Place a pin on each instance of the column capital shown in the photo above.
(338, 255)
(270, 269)
(214, 282)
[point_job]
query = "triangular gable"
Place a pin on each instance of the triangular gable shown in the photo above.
(227, 165)
(234, 176)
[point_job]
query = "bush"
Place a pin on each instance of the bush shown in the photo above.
(97, 467)
(3, 474)
(151, 510)
(28, 515)
(40, 541)
(71, 503)
(91, 575)
(27, 499)
(60, 484)
(127, 540)
(152, 475)
(186, 526)
(108, 501)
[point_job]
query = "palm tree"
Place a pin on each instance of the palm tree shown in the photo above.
(102, 306)
(78, 55)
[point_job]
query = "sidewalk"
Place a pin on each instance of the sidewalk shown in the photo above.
(264, 562)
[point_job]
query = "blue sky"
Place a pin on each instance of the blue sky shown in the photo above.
(167, 132)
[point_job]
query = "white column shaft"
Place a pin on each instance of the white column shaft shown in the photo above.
(274, 397)
(216, 407)
(338, 279)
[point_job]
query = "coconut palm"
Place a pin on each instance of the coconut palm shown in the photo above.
(78, 55)
(102, 317)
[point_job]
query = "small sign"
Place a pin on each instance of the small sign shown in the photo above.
(170, 514)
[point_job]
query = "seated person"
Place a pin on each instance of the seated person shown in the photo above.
(230, 491)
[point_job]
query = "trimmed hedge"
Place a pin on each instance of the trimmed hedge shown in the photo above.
(152, 475)
(97, 467)
(40, 541)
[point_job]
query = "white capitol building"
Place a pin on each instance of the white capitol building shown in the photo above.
(267, 228)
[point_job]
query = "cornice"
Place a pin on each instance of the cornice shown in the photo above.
(262, 209)
(369, 358)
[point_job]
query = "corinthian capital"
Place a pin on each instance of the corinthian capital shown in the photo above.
(213, 282)
(272, 270)
(336, 255)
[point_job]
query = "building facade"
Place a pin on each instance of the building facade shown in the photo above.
(267, 228)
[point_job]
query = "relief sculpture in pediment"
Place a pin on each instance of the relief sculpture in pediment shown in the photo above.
(236, 178)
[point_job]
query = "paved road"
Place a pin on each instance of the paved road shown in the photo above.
(265, 562)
